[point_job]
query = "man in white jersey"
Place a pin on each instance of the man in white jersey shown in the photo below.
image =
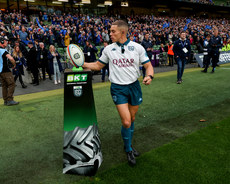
(124, 58)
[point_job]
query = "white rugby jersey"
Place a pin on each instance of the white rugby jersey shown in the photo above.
(124, 68)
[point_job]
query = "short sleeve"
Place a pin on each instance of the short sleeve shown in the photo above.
(5, 53)
(104, 59)
(143, 57)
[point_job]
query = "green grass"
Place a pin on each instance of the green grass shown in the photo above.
(31, 134)
(220, 2)
(202, 157)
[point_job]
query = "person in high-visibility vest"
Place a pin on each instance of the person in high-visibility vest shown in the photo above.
(170, 53)
(226, 47)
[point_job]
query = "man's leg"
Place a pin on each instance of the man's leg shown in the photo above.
(133, 110)
(15, 77)
(215, 60)
(206, 63)
(4, 87)
(123, 110)
(44, 72)
(183, 66)
(11, 85)
(179, 69)
(170, 60)
(48, 71)
(125, 115)
(35, 75)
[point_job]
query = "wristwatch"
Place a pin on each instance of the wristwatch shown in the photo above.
(151, 76)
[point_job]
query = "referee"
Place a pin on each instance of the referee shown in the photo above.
(124, 58)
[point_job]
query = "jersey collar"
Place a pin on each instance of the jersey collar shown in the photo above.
(126, 43)
(182, 40)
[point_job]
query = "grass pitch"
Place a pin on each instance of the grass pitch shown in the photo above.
(201, 157)
(31, 134)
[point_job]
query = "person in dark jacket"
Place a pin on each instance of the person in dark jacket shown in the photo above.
(13, 36)
(20, 62)
(199, 45)
(107, 65)
(216, 44)
(162, 48)
(182, 50)
(43, 60)
(148, 45)
(22, 48)
(206, 52)
(32, 63)
(55, 64)
(89, 52)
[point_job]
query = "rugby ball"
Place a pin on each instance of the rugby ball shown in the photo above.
(75, 55)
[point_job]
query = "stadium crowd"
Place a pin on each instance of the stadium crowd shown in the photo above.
(66, 28)
(203, 1)
(61, 30)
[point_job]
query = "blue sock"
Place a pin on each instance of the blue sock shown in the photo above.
(126, 134)
(132, 131)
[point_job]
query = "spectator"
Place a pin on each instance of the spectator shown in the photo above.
(36, 44)
(67, 38)
(23, 35)
(90, 52)
(73, 35)
(170, 37)
(13, 36)
(42, 57)
(148, 46)
(162, 48)
(20, 62)
(105, 36)
(51, 38)
(55, 64)
(106, 67)
(31, 36)
(22, 48)
(170, 54)
(81, 38)
(226, 47)
(97, 38)
(206, 52)
(32, 63)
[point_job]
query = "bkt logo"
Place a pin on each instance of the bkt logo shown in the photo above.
(77, 78)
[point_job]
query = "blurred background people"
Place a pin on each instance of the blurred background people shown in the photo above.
(32, 63)
(55, 64)
(106, 67)
(18, 71)
(42, 54)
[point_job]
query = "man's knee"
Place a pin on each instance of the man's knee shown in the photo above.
(126, 124)
(10, 81)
